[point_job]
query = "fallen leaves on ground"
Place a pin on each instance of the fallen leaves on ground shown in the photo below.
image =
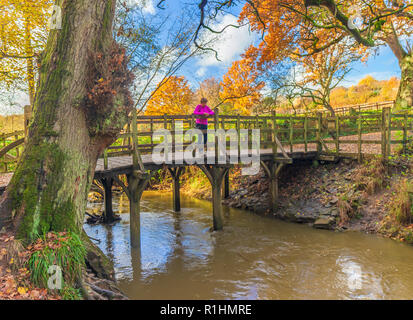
(15, 281)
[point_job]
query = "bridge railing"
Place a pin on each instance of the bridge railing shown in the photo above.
(346, 110)
(348, 136)
(11, 149)
(355, 136)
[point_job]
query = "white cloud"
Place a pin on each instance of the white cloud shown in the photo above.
(201, 72)
(146, 5)
(230, 44)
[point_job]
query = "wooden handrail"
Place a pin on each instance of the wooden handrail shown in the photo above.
(11, 146)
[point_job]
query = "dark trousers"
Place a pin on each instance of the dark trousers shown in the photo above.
(203, 137)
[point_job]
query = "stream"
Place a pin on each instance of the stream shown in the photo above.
(254, 257)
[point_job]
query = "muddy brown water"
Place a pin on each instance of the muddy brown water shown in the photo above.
(254, 257)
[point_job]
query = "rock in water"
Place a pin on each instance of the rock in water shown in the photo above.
(324, 223)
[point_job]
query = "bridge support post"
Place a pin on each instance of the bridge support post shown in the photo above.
(216, 174)
(226, 186)
(273, 170)
(176, 174)
(137, 182)
(107, 186)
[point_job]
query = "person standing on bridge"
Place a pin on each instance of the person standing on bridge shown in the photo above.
(202, 112)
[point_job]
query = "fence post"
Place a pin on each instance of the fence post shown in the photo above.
(319, 130)
(17, 149)
(338, 135)
(136, 158)
(306, 133)
(239, 136)
(291, 134)
(216, 127)
(173, 146)
(389, 132)
(105, 159)
(27, 117)
(151, 128)
(383, 133)
(359, 157)
(405, 134)
(274, 130)
(165, 126)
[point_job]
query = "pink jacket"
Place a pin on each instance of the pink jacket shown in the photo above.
(201, 110)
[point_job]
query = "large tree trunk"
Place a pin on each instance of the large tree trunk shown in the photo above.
(81, 104)
(404, 98)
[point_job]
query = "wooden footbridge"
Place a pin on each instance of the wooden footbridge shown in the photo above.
(129, 162)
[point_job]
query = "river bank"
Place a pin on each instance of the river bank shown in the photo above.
(347, 196)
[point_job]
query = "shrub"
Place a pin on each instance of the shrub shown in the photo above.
(370, 177)
(401, 206)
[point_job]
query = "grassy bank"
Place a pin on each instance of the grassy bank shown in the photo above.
(25, 271)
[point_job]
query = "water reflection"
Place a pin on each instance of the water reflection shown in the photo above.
(253, 258)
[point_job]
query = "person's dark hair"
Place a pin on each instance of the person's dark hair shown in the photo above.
(204, 100)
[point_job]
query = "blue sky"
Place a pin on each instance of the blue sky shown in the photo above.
(382, 66)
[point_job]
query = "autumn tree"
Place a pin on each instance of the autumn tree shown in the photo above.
(24, 25)
(323, 72)
(209, 88)
(173, 97)
(241, 87)
(367, 90)
(306, 27)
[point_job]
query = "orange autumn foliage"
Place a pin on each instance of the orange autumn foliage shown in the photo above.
(173, 97)
(241, 87)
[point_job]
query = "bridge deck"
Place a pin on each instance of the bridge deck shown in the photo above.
(123, 164)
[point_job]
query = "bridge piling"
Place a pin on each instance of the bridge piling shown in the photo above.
(226, 186)
(107, 184)
(273, 170)
(137, 182)
(176, 174)
(216, 174)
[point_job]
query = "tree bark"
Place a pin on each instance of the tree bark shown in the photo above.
(78, 111)
(404, 98)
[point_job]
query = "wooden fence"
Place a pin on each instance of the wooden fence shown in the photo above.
(340, 136)
(355, 136)
(12, 146)
(360, 108)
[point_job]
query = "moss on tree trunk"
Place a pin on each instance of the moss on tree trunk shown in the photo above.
(404, 98)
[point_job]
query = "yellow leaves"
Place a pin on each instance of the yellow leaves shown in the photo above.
(21, 290)
(368, 90)
(241, 87)
(23, 33)
(173, 97)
